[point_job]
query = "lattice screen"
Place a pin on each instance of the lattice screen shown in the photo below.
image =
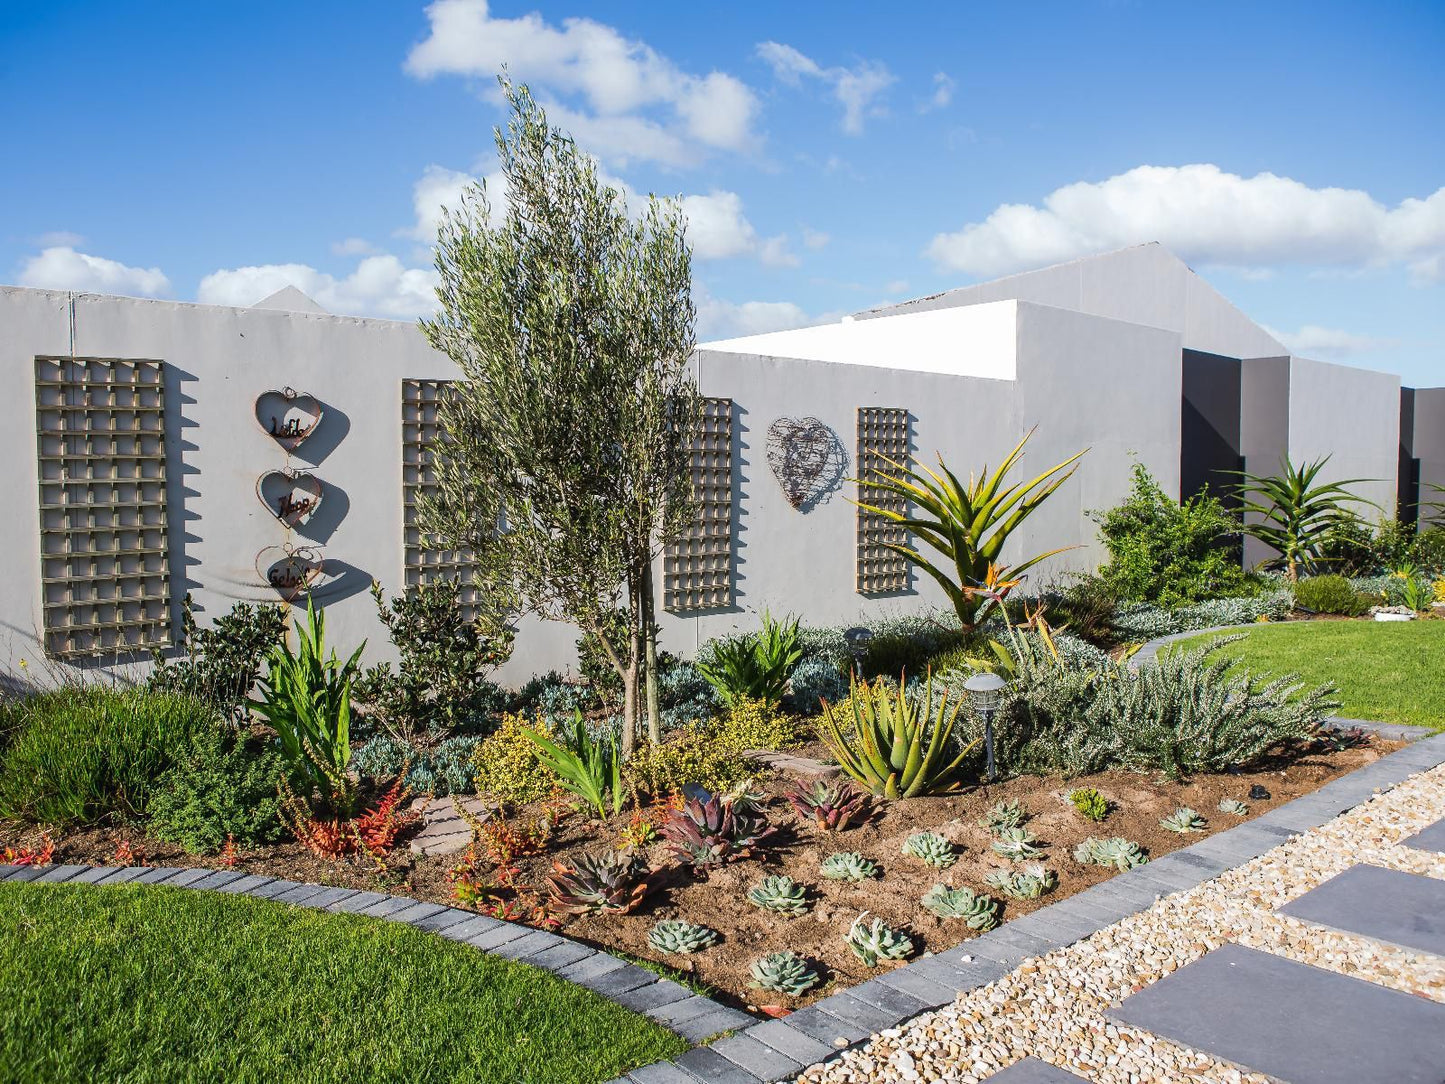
(420, 432)
(697, 572)
(104, 560)
(882, 431)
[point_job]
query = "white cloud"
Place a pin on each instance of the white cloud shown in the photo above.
(815, 239)
(943, 88)
(719, 319)
(1207, 216)
(439, 188)
(354, 246)
(59, 238)
(379, 286)
(1329, 343)
(855, 88)
(618, 78)
(61, 267)
(774, 252)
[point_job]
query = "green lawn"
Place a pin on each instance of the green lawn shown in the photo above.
(141, 983)
(1388, 672)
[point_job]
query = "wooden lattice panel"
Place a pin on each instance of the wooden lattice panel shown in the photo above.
(101, 457)
(882, 434)
(420, 435)
(697, 570)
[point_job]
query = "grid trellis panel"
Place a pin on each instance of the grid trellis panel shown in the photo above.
(420, 435)
(882, 434)
(101, 459)
(697, 571)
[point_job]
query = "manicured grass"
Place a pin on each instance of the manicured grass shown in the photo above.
(1386, 672)
(141, 983)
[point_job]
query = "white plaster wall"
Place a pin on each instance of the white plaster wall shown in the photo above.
(1353, 416)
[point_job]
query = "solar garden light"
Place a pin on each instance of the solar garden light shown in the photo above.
(985, 692)
(857, 639)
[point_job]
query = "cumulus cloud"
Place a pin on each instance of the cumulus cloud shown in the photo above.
(636, 103)
(61, 267)
(354, 246)
(943, 88)
(1207, 216)
(1330, 343)
(856, 89)
(379, 286)
(815, 239)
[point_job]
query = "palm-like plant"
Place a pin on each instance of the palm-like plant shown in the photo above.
(1296, 509)
(755, 666)
(589, 767)
(968, 524)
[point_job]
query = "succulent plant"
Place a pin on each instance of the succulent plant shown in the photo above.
(674, 935)
(1002, 815)
(931, 849)
(614, 881)
(709, 833)
(780, 894)
(1234, 807)
(1118, 852)
(1183, 820)
(833, 806)
(784, 973)
(978, 909)
(1015, 844)
(1028, 883)
(848, 866)
(1090, 803)
(876, 941)
(743, 798)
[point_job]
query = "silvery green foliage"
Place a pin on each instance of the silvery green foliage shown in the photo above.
(1015, 844)
(848, 866)
(812, 681)
(978, 910)
(684, 695)
(1003, 815)
(446, 769)
(1183, 820)
(674, 935)
(931, 849)
(1233, 806)
(779, 893)
(1141, 621)
(876, 941)
(784, 973)
(1117, 851)
(1028, 883)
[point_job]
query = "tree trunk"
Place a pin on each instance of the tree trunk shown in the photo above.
(634, 660)
(649, 625)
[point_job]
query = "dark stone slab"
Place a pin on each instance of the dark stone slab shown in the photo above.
(531, 942)
(274, 888)
(790, 1041)
(159, 875)
(591, 967)
(699, 1029)
(1401, 908)
(469, 928)
(559, 956)
(1293, 1021)
(328, 897)
(444, 919)
(245, 884)
(1033, 1071)
(761, 1060)
(709, 1065)
(1429, 839)
(618, 981)
(652, 996)
(892, 999)
(33, 873)
(58, 874)
(663, 1072)
(217, 879)
(359, 902)
(122, 875)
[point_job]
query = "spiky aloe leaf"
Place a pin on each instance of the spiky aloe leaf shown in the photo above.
(876, 941)
(931, 849)
(780, 894)
(848, 866)
(979, 910)
(674, 935)
(784, 973)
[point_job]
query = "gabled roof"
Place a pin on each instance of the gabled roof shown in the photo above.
(289, 299)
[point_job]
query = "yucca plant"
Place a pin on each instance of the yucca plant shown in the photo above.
(978, 909)
(676, 936)
(1003, 815)
(1028, 883)
(780, 894)
(1294, 511)
(1183, 820)
(711, 832)
(589, 767)
(833, 806)
(754, 666)
(931, 849)
(611, 882)
(1117, 851)
(1015, 844)
(784, 973)
(967, 525)
(876, 941)
(848, 866)
(894, 744)
(306, 697)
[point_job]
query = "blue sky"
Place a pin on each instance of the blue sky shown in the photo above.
(831, 156)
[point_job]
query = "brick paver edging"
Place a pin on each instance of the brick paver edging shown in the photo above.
(694, 1017)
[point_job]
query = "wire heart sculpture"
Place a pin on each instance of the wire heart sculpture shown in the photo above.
(807, 459)
(291, 570)
(291, 496)
(289, 416)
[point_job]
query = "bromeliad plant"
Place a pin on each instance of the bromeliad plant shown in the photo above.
(967, 525)
(755, 666)
(711, 832)
(833, 806)
(613, 882)
(890, 743)
(589, 767)
(1294, 512)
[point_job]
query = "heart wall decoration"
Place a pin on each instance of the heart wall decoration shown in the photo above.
(289, 416)
(290, 570)
(807, 459)
(291, 496)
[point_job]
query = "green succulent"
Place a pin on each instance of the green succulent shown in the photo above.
(1028, 883)
(1003, 815)
(931, 849)
(876, 941)
(1234, 807)
(780, 894)
(979, 910)
(674, 935)
(1118, 852)
(1015, 844)
(848, 866)
(784, 973)
(1090, 803)
(1183, 820)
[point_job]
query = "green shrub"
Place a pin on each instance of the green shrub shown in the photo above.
(507, 764)
(585, 765)
(222, 662)
(1330, 594)
(77, 753)
(1168, 552)
(752, 724)
(893, 652)
(443, 769)
(222, 785)
(754, 666)
(1086, 608)
(696, 754)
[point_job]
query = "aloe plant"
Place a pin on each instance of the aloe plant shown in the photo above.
(1293, 511)
(887, 743)
(589, 767)
(967, 525)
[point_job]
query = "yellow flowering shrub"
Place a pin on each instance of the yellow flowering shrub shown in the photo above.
(506, 765)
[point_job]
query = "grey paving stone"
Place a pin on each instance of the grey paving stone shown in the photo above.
(1033, 1071)
(618, 981)
(8, 870)
(1293, 1021)
(827, 1028)
(444, 919)
(851, 1010)
(58, 874)
(1385, 904)
(711, 1066)
(1018, 940)
(1210, 865)
(789, 1041)
(272, 890)
(90, 876)
(699, 1029)
(217, 879)
(662, 1072)
(892, 999)
(358, 903)
(33, 873)
(415, 913)
(761, 1060)
(685, 1009)
(559, 956)
(388, 905)
(470, 928)
(530, 942)
(245, 884)
(652, 996)
(299, 894)
(326, 898)
(1062, 927)
(915, 984)
(122, 875)
(593, 966)
(500, 934)
(1429, 839)
(158, 875)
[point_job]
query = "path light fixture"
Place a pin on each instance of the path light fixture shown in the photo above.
(858, 639)
(985, 693)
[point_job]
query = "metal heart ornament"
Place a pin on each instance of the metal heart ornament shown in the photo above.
(806, 458)
(290, 570)
(289, 416)
(291, 496)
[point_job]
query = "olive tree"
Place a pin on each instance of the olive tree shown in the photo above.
(565, 463)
